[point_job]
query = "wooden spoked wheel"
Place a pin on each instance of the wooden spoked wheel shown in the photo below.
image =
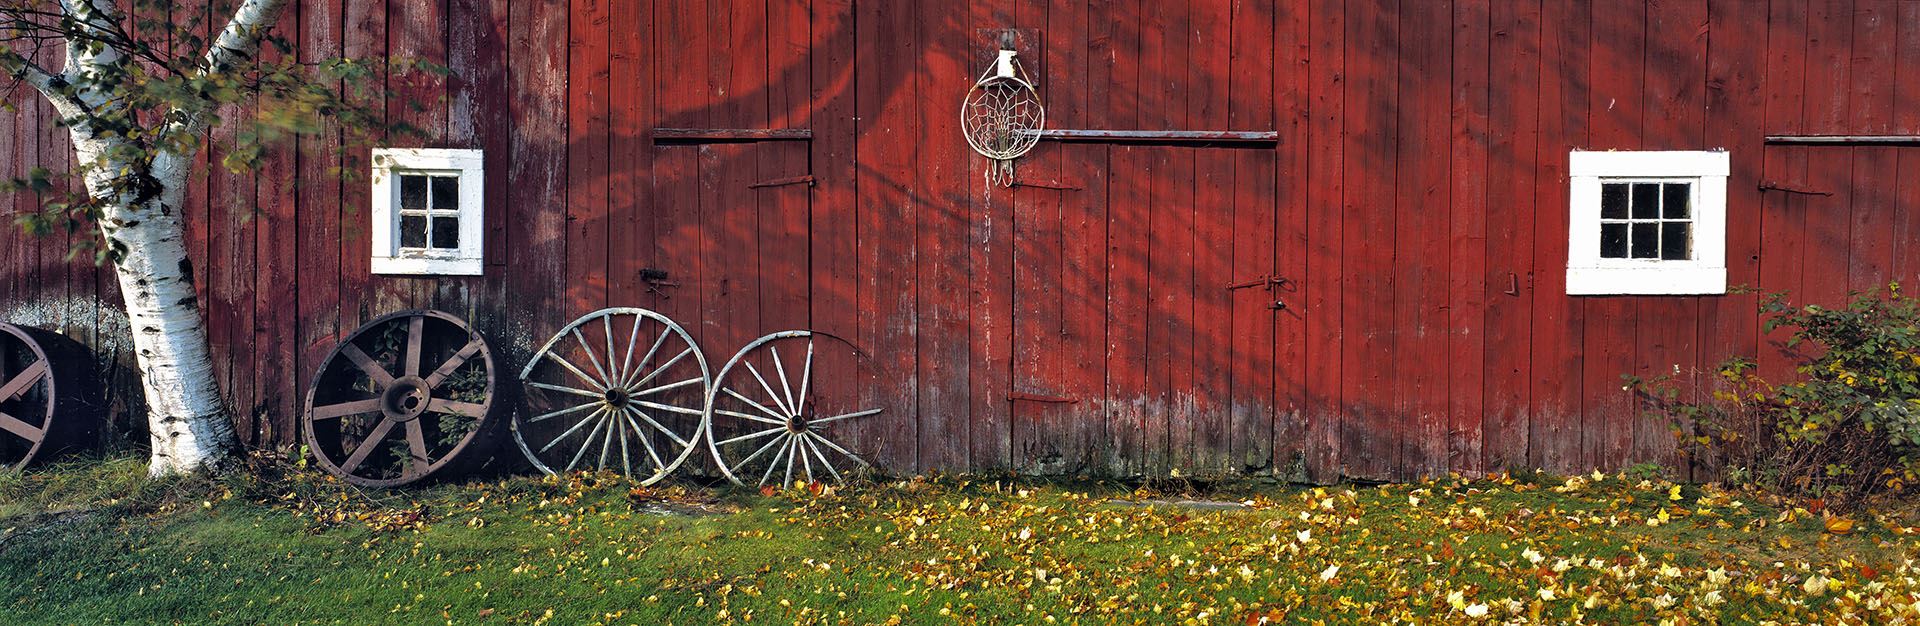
(45, 395)
(770, 417)
(619, 389)
(407, 396)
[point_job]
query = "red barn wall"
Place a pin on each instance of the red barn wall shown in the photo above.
(1416, 206)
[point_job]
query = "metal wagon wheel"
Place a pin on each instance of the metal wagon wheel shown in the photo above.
(407, 396)
(779, 429)
(47, 395)
(624, 375)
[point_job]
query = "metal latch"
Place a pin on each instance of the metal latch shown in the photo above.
(1265, 281)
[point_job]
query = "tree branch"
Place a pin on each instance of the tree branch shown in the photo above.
(50, 85)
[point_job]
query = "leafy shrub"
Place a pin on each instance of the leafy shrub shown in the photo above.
(1849, 428)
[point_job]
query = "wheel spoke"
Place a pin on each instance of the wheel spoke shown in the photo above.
(806, 378)
(775, 464)
(829, 443)
(626, 363)
(662, 340)
(823, 459)
(781, 371)
(846, 416)
(742, 463)
(626, 458)
(456, 407)
(806, 462)
(659, 466)
(606, 324)
(591, 418)
(750, 416)
(607, 443)
(417, 445)
(590, 358)
(564, 389)
(367, 446)
(668, 407)
(665, 387)
(768, 388)
(586, 445)
(660, 368)
(416, 327)
(381, 378)
(547, 416)
(651, 422)
(748, 436)
(22, 429)
(344, 409)
(576, 370)
(460, 358)
(793, 451)
(781, 419)
(20, 382)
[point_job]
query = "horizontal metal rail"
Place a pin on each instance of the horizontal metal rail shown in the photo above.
(1249, 137)
(1845, 140)
(724, 135)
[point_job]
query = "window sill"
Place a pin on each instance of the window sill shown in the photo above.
(409, 266)
(1652, 280)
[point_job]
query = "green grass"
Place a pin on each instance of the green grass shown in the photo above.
(95, 542)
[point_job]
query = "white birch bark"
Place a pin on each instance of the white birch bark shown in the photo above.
(140, 216)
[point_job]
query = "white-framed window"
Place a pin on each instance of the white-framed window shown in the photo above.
(1647, 223)
(427, 211)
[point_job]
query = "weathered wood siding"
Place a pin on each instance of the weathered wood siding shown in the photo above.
(1415, 205)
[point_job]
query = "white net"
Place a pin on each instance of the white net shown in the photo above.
(1002, 116)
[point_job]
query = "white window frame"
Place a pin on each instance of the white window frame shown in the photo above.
(388, 258)
(1705, 273)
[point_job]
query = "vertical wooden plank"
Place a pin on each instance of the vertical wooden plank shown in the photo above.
(1171, 413)
(1421, 238)
(1783, 215)
(1213, 344)
(730, 261)
(322, 220)
(784, 281)
(276, 288)
(1618, 68)
(536, 249)
(1071, 58)
(1038, 265)
(944, 366)
(1736, 53)
(1557, 417)
(832, 226)
(1675, 107)
(1513, 127)
(680, 95)
(990, 264)
(1127, 258)
(887, 100)
(630, 116)
(1467, 275)
(1262, 416)
(1871, 109)
(1827, 110)
(233, 211)
(583, 287)
(1372, 430)
(1906, 252)
(1326, 214)
(1288, 111)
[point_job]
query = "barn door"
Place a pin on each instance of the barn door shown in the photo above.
(1147, 298)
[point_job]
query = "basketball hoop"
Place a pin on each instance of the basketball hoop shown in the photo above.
(1002, 116)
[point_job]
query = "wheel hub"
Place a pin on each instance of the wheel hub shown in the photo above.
(617, 398)
(799, 423)
(406, 399)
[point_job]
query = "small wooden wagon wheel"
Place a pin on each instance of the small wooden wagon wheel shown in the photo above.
(47, 395)
(406, 396)
(618, 389)
(779, 430)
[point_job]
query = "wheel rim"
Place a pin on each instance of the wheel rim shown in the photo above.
(376, 415)
(767, 420)
(28, 390)
(619, 389)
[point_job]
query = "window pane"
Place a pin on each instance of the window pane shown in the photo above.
(446, 231)
(413, 231)
(1646, 240)
(413, 191)
(1613, 201)
(1646, 200)
(1613, 241)
(1675, 241)
(446, 193)
(1677, 197)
